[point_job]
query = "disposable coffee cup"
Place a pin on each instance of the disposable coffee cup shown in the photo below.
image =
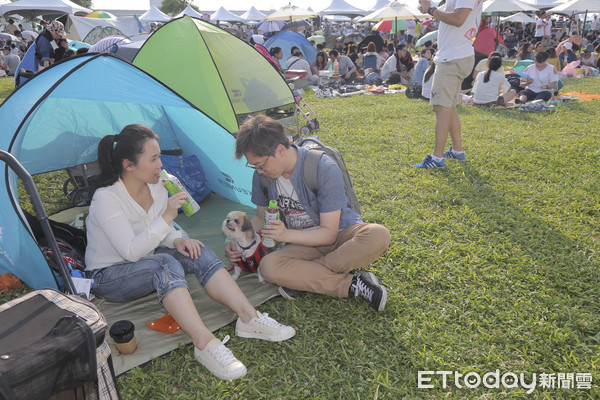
(122, 333)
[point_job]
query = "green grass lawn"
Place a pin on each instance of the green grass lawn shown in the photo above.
(493, 264)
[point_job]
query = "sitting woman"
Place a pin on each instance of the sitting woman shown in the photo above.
(492, 87)
(428, 81)
(133, 250)
(526, 52)
(372, 59)
(587, 57)
(541, 80)
(422, 66)
(320, 63)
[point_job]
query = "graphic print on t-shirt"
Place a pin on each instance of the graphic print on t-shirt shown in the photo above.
(290, 207)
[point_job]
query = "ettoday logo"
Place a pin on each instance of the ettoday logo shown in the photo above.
(507, 380)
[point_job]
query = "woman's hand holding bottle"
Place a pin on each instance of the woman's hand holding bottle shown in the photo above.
(173, 205)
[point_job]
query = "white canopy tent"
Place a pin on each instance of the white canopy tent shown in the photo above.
(253, 15)
(79, 27)
(224, 15)
(189, 11)
(33, 8)
(497, 6)
(154, 15)
(337, 18)
(379, 5)
(340, 7)
(541, 4)
(577, 7)
(519, 17)
(392, 11)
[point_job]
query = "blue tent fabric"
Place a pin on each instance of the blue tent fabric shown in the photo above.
(286, 40)
(57, 118)
(28, 63)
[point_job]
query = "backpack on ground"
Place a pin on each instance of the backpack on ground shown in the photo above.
(311, 165)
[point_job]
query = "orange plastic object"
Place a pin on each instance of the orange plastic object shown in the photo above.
(164, 324)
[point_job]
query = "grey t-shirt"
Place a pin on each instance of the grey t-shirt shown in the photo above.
(346, 65)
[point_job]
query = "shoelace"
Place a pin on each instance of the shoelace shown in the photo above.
(222, 354)
(361, 288)
(264, 319)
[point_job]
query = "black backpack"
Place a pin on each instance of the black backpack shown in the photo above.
(414, 92)
(311, 165)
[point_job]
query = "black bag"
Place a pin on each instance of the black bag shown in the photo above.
(414, 92)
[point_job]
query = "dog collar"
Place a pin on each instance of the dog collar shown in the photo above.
(249, 247)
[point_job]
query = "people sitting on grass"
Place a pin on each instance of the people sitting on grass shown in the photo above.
(133, 250)
(326, 239)
(421, 67)
(348, 72)
(320, 63)
(297, 62)
(553, 58)
(540, 80)
(491, 87)
(398, 68)
(526, 52)
(567, 54)
(371, 59)
(587, 57)
(11, 61)
(428, 81)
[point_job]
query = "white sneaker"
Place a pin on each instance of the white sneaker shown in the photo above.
(219, 360)
(265, 328)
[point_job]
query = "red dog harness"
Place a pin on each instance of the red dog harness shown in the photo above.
(251, 263)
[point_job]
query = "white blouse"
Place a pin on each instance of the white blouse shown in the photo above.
(119, 230)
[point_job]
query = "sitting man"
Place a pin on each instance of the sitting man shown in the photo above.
(348, 71)
(11, 61)
(398, 68)
(325, 238)
(297, 62)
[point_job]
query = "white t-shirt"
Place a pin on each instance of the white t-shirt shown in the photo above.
(486, 92)
(119, 230)
(426, 86)
(548, 28)
(595, 24)
(541, 78)
(539, 27)
(456, 42)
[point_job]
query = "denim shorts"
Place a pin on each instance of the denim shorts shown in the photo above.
(161, 272)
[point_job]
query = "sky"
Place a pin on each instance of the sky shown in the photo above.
(211, 5)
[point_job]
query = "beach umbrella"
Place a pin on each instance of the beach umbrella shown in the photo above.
(391, 26)
(106, 44)
(428, 36)
(296, 24)
(290, 13)
(317, 38)
(270, 26)
(100, 14)
(519, 17)
(392, 11)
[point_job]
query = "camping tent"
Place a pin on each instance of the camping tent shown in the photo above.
(79, 27)
(154, 15)
(33, 8)
(57, 118)
(209, 76)
(287, 39)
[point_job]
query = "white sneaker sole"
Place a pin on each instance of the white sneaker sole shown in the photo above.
(257, 335)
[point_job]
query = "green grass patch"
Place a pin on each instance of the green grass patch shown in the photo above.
(493, 263)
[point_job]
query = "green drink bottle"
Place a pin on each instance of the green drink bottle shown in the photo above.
(271, 213)
(172, 184)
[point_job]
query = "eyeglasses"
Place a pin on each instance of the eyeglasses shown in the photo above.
(256, 167)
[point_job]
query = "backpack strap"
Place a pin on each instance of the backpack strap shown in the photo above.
(311, 167)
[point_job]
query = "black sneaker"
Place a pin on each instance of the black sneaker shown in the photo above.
(366, 285)
(290, 294)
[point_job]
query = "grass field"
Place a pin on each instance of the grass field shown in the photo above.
(493, 264)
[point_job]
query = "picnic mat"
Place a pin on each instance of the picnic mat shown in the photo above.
(205, 226)
(583, 96)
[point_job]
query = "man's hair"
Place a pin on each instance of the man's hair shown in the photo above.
(334, 53)
(260, 135)
(400, 47)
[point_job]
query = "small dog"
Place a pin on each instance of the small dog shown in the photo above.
(238, 227)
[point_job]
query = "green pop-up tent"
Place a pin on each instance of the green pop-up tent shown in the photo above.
(217, 72)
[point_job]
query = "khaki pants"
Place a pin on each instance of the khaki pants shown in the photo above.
(326, 269)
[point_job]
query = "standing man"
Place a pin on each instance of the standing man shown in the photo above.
(326, 239)
(546, 39)
(44, 49)
(454, 61)
(540, 26)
